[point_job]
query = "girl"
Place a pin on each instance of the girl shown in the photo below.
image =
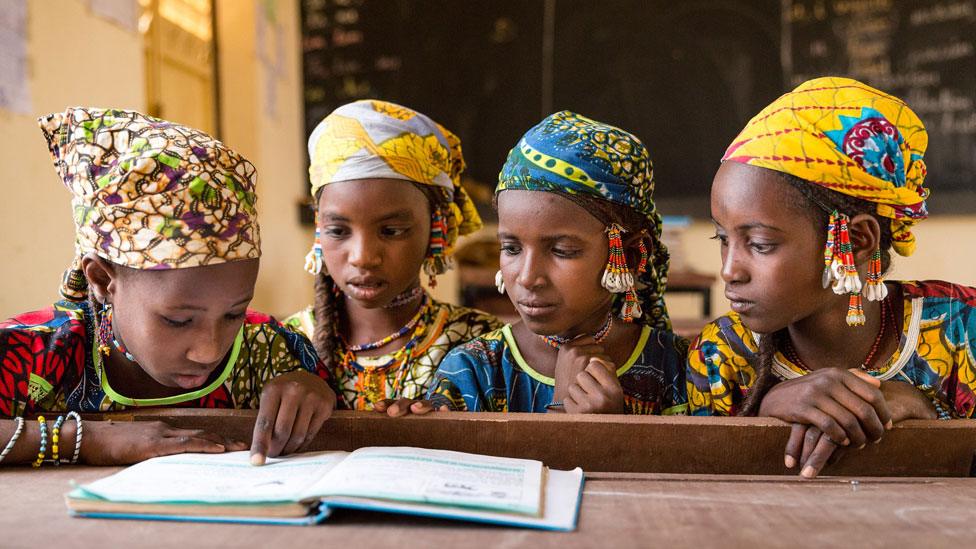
(386, 183)
(578, 228)
(153, 309)
(808, 304)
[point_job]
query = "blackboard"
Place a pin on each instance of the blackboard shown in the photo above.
(923, 51)
(684, 77)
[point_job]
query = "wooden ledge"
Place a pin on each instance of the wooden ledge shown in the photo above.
(621, 444)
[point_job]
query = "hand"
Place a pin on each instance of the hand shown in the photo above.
(596, 390)
(906, 402)
(812, 449)
(403, 406)
(847, 407)
(127, 442)
(294, 406)
(572, 359)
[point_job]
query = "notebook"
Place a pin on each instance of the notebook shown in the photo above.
(306, 488)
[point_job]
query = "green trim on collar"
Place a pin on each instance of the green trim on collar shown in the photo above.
(175, 399)
(517, 355)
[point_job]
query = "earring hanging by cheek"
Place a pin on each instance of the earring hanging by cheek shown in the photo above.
(313, 260)
(831, 271)
(855, 313)
(500, 282)
(847, 278)
(617, 277)
(435, 263)
(105, 334)
(631, 308)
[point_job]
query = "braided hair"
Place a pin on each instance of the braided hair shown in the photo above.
(816, 203)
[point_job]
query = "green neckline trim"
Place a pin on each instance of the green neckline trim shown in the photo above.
(517, 355)
(175, 399)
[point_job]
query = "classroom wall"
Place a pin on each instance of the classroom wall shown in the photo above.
(75, 59)
(264, 122)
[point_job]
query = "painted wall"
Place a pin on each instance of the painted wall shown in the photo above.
(75, 59)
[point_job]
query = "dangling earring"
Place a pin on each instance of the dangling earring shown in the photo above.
(105, 335)
(842, 269)
(313, 260)
(500, 282)
(617, 277)
(435, 263)
(874, 286)
(631, 308)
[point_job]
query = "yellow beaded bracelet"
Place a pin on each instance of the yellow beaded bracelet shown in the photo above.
(55, 439)
(42, 425)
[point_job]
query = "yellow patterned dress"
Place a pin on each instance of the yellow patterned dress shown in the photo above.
(935, 354)
(363, 380)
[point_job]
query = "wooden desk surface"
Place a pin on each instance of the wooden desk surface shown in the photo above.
(619, 510)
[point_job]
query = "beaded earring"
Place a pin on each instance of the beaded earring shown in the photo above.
(839, 269)
(436, 263)
(105, 335)
(874, 286)
(631, 308)
(617, 277)
(313, 260)
(500, 282)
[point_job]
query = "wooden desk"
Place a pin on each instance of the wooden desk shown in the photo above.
(618, 510)
(615, 443)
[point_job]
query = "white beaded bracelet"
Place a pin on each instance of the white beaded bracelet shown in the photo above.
(13, 439)
(79, 432)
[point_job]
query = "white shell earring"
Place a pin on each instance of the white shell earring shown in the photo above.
(500, 282)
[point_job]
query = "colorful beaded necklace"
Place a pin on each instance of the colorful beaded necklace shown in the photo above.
(887, 319)
(556, 341)
(410, 325)
(371, 380)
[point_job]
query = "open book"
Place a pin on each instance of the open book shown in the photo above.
(305, 488)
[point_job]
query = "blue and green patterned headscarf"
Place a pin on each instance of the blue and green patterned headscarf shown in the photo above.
(571, 154)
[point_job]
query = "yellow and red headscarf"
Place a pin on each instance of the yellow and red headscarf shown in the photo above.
(848, 137)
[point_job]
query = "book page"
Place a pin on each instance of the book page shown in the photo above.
(215, 478)
(437, 477)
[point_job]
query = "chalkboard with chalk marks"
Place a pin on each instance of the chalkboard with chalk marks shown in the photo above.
(923, 51)
(684, 77)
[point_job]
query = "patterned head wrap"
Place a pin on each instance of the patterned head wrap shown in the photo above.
(571, 154)
(150, 194)
(377, 139)
(848, 137)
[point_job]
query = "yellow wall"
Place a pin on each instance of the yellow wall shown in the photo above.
(275, 144)
(74, 59)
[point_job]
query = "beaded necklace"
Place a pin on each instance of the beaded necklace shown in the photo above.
(371, 380)
(410, 325)
(887, 318)
(556, 341)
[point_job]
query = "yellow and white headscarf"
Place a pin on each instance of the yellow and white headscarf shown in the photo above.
(150, 194)
(848, 137)
(378, 139)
